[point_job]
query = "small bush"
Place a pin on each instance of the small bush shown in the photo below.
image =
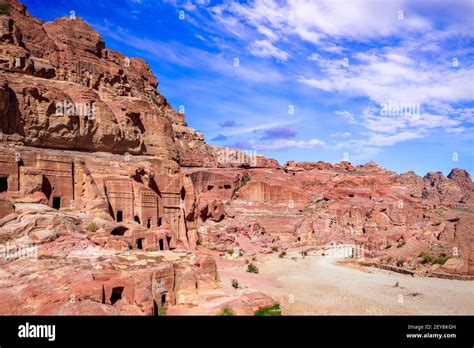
(282, 254)
(226, 312)
(162, 312)
(92, 227)
(235, 284)
(244, 181)
(251, 268)
(441, 259)
(400, 244)
(427, 258)
(4, 9)
(274, 311)
(274, 248)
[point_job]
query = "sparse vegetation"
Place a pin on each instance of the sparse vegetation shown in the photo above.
(426, 258)
(274, 311)
(282, 254)
(162, 312)
(4, 9)
(235, 284)
(388, 246)
(92, 227)
(401, 243)
(227, 312)
(251, 268)
(431, 259)
(441, 259)
(400, 262)
(274, 248)
(244, 181)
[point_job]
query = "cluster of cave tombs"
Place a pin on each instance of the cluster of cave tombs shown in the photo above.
(148, 215)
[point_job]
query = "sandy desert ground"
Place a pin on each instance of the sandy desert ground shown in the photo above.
(319, 285)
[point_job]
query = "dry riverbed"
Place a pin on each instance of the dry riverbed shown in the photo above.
(320, 285)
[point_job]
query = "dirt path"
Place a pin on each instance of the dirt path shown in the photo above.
(319, 285)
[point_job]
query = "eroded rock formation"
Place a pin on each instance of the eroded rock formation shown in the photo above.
(100, 179)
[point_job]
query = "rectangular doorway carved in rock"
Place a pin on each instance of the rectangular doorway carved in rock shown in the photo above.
(3, 184)
(119, 216)
(163, 298)
(56, 202)
(116, 294)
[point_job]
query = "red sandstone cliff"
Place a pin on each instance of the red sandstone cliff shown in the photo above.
(104, 179)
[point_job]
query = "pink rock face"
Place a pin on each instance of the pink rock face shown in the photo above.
(110, 204)
(88, 97)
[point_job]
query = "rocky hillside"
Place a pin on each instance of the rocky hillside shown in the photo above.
(111, 204)
(62, 88)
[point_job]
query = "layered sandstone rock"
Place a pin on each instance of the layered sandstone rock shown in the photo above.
(121, 203)
(60, 87)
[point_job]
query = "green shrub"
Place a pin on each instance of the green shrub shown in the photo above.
(226, 312)
(282, 254)
(251, 268)
(92, 227)
(4, 9)
(162, 312)
(427, 258)
(441, 259)
(244, 181)
(274, 311)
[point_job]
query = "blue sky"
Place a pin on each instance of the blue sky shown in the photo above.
(390, 81)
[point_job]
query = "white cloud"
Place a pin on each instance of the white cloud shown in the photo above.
(283, 144)
(341, 134)
(314, 20)
(347, 115)
(264, 48)
(388, 140)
